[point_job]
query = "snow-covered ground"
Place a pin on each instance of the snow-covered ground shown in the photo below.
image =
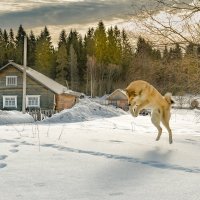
(94, 157)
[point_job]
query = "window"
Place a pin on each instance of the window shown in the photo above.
(9, 101)
(33, 101)
(11, 80)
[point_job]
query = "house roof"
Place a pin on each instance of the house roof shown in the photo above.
(44, 80)
(118, 94)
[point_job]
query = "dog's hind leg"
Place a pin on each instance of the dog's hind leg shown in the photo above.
(165, 121)
(155, 119)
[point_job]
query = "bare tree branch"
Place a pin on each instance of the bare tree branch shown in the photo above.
(179, 23)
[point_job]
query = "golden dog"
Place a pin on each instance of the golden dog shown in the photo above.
(143, 95)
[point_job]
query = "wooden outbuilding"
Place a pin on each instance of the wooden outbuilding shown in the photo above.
(119, 99)
(41, 91)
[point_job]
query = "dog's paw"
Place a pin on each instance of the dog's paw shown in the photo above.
(135, 114)
(134, 111)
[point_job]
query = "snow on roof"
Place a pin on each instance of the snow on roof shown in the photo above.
(44, 80)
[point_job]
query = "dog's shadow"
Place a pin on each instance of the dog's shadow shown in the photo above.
(160, 158)
(157, 158)
(159, 154)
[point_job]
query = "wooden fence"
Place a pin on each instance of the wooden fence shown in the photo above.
(39, 114)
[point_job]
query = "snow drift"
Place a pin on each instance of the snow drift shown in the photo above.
(85, 110)
(14, 117)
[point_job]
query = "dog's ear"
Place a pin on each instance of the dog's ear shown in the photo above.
(132, 93)
(126, 91)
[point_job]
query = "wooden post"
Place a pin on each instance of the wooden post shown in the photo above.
(91, 84)
(24, 76)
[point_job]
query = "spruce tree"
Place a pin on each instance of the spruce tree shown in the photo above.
(73, 69)
(20, 45)
(100, 39)
(44, 54)
(82, 60)
(89, 46)
(75, 40)
(62, 59)
(62, 38)
(11, 46)
(31, 49)
(1, 49)
(177, 52)
(127, 54)
(89, 42)
(113, 50)
(5, 41)
(165, 54)
(72, 39)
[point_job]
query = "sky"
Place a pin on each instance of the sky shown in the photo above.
(70, 14)
(65, 14)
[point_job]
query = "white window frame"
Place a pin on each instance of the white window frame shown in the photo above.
(14, 79)
(27, 101)
(9, 106)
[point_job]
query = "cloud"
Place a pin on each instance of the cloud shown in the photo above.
(67, 14)
(37, 13)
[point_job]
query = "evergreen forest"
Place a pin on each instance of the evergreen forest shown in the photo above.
(104, 60)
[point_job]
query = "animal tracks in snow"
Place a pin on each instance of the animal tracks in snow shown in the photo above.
(13, 149)
(3, 157)
(2, 165)
(15, 145)
(129, 159)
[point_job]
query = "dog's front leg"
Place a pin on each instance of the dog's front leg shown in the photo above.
(134, 110)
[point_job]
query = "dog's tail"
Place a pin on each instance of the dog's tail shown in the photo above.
(168, 98)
